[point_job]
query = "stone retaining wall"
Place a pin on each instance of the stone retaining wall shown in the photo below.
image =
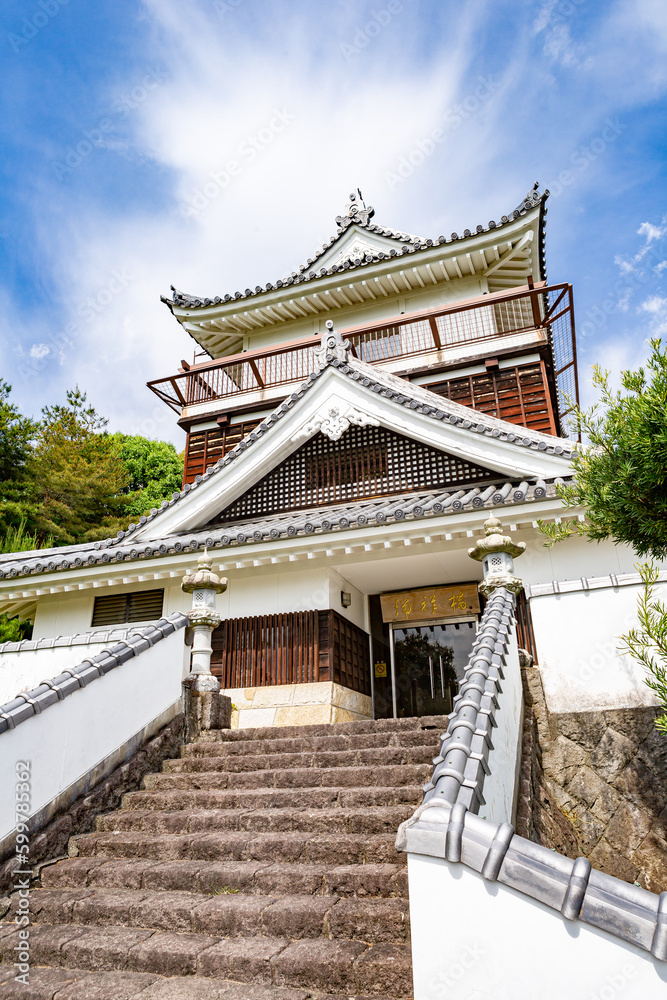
(595, 784)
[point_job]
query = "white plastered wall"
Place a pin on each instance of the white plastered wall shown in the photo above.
(577, 636)
(71, 737)
(459, 950)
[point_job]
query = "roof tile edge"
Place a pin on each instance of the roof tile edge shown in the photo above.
(445, 826)
(71, 679)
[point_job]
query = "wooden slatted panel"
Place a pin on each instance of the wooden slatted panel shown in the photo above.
(137, 606)
(525, 635)
(204, 448)
(519, 395)
(298, 647)
(366, 462)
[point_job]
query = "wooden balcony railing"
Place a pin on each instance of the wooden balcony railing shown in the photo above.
(298, 647)
(501, 314)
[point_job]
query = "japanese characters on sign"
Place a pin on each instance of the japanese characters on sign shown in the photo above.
(431, 602)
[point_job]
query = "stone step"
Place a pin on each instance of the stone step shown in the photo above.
(224, 914)
(299, 777)
(213, 743)
(429, 723)
(271, 798)
(319, 964)
(291, 846)
(316, 758)
(382, 819)
(45, 981)
(245, 877)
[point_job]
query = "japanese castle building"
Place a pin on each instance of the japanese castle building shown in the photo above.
(371, 441)
(348, 433)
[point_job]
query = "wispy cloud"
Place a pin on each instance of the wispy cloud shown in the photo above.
(225, 168)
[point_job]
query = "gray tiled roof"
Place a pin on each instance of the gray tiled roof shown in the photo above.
(319, 520)
(72, 679)
(408, 245)
(447, 826)
(390, 386)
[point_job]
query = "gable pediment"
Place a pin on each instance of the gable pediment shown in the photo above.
(363, 462)
(340, 395)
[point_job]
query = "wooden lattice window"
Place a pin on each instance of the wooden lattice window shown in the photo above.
(519, 395)
(204, 448)
(366, 462)
(137, 606)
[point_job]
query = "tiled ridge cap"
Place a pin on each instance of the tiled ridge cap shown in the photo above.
(116, 632)
(447, 826)
(365, 513)
(573, 887)
(460, 768)
(34, 702)
(414, 397)
(412, 245)
(588, 583)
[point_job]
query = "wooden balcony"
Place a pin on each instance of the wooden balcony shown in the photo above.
(437, 336)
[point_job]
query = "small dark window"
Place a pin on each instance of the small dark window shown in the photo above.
(116, 609)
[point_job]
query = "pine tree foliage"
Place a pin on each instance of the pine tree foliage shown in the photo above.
(76, 472)
(621, 482)
(621, 477)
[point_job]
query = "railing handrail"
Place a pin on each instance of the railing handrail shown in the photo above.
(286, 347)
(226, 377)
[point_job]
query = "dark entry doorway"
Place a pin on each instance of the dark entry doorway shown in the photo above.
(428, 665)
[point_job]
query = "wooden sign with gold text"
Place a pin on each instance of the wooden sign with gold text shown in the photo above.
(432, 602)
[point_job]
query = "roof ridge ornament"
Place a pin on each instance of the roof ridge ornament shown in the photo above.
(356, 210)
(333, 347)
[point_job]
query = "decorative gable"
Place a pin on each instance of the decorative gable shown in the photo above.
(367, 461)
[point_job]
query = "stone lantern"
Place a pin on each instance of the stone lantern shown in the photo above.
(204, 585)
(497, 553)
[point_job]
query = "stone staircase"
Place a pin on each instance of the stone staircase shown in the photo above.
(260, 865)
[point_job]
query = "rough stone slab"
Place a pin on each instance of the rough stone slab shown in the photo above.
(230, 915)
(44, 983)
(371, 920)
(107, 985)
(170, 954)
(245, 959)
(72, 872)
(324, 965)
(108, 908)
(102, 949)
(298, 917)
(384, 968)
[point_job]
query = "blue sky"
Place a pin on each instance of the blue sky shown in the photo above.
(118, 114)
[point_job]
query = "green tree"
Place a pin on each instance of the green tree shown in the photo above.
(77, 475)
(155, 471)
(621, 481)
(14, 629)
(16, 436)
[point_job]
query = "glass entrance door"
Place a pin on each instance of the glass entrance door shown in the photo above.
(428, 665)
